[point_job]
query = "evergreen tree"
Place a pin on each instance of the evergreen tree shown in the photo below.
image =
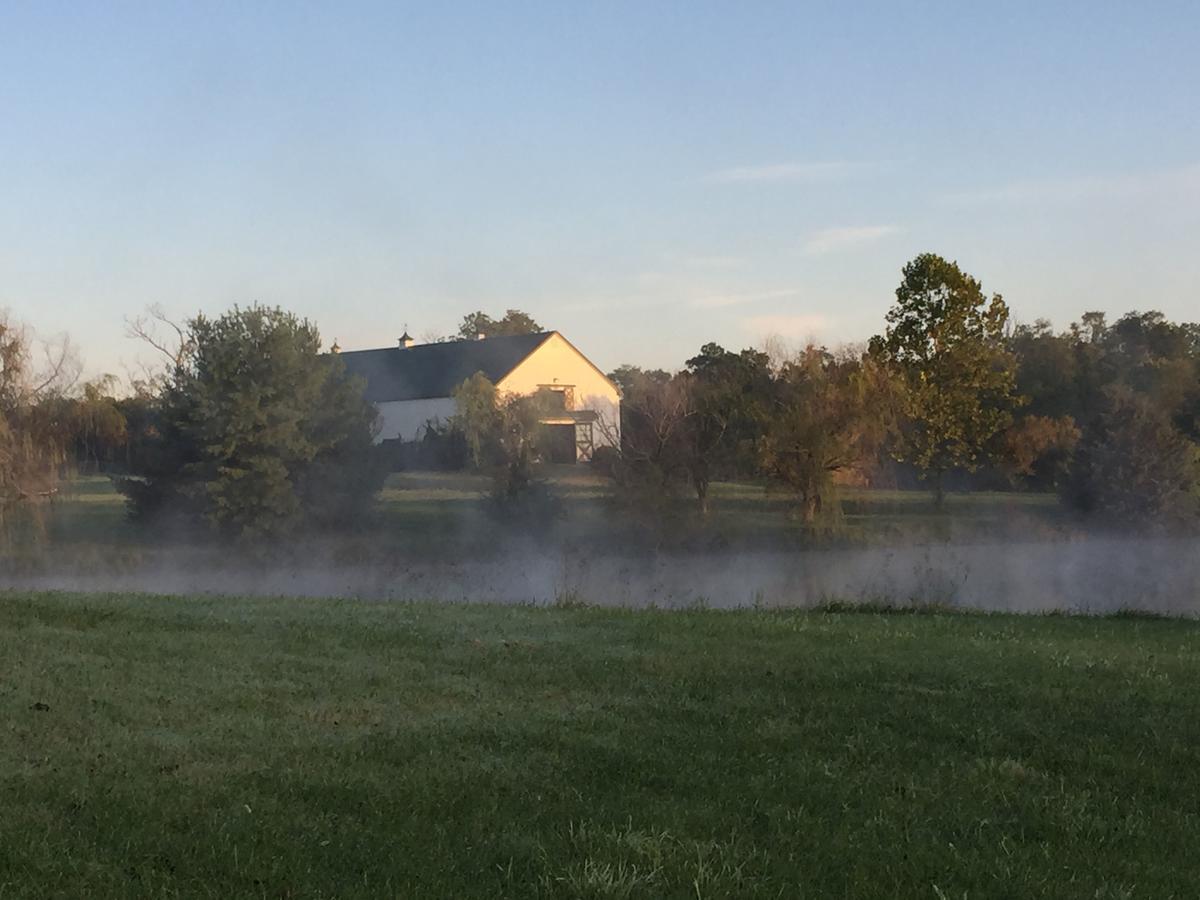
(259, 432)
(1136, 467)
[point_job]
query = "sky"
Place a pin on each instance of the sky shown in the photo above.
(644, 177)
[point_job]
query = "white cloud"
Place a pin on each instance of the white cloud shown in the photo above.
(788, 171)
(795, 326)
(716, 301)
(1166, 183)
(830, 240)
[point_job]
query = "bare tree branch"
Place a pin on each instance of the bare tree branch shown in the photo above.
(62, 368)
(158, 330)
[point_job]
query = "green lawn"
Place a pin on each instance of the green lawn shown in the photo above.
(201, 747)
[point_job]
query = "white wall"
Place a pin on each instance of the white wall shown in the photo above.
(557, 362)
(406, 419)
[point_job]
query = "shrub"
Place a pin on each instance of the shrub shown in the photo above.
(605, 460)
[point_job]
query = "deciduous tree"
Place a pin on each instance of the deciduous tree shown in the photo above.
(1038, 449)
(503, 435)
(34, 375)
(729, 396)
(945, 338)
(828, 416)
(514, 321)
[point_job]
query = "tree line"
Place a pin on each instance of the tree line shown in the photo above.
(1106, 414)
(249, 428)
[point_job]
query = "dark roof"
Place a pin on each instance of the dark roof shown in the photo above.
(435, 370)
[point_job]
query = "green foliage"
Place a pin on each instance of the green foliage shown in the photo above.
(258, 432)
(503, 437)
(1159, 360)
(1133, 391)
(605, 460)
(441, 448)
(1038, 449)
(829, 416)
(628, 378)
(945, 339)
(1069, 374)
(733, 398)
(1049, 367)
(684, 431)
(1136, 467)
(729, 402)
(514, 321)
(477, 418)
(142, 414)
(15, 459)
(652, 468)
(94, 425)
(34, 435)
(730, 416)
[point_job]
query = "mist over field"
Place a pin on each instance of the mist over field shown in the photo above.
(1094, 575)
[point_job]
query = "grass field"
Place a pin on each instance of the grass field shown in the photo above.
(202, 747)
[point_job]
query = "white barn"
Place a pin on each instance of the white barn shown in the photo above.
(412, 385)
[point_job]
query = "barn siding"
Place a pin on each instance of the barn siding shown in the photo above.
(406, 419)
(557, 362)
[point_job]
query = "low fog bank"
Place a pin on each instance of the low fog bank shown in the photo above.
(1096, 575)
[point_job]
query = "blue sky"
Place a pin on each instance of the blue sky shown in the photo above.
(642, 176)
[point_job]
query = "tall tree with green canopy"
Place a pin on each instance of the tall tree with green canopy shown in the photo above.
(514, 321)
(259, 432)
(729, 399)
(945, 338)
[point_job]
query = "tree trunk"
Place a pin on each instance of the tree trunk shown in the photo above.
(939, 492)
(702, 496)
(810, 507)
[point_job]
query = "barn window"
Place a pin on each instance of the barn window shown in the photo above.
(558, 397)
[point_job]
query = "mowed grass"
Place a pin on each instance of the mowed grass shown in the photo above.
(205, 747)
